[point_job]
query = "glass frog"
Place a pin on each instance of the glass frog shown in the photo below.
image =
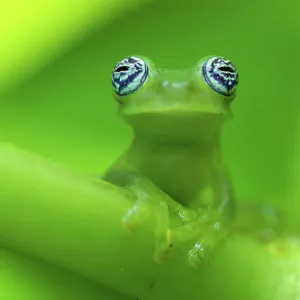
(174, 163)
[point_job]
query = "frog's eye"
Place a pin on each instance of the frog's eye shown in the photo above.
(221, 75)
(129, 75)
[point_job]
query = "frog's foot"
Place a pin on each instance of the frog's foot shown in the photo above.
(203, 248)
(166, 238)
(199, 254)
(143, 209)
(206, 233)
(188, 231)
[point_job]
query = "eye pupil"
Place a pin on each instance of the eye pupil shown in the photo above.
(122, 69)
(226, 69)
(129, 75)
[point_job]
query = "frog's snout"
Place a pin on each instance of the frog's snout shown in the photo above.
(166, 84)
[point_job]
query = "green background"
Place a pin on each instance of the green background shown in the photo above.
(66, 112)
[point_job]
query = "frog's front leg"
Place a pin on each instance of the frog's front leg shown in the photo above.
(210, 225)
(222, 214)
(150, 202)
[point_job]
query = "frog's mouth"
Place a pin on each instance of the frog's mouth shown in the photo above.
(181, 125)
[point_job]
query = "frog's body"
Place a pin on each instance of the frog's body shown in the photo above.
(180, 169)
(175, 156)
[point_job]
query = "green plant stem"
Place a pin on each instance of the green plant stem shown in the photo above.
(74, 222)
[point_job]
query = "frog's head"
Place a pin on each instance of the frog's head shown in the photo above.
(176, 104)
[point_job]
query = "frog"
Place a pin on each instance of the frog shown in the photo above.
(174, 164)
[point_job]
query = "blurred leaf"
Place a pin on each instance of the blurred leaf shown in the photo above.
(33, 32)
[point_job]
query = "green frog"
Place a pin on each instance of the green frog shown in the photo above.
(174, 164)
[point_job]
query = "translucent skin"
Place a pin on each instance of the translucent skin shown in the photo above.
(174, 164)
